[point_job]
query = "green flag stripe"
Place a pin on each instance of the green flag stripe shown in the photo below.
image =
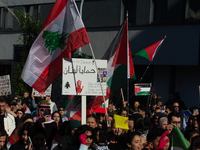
(143, 93)
(119, 78)
(143, 53)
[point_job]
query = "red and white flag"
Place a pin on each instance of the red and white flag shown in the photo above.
(62, 33)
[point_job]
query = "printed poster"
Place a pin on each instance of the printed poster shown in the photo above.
(5, 86)
(79, 77)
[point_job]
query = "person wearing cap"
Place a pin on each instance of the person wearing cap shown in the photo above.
(13, 105)
(53, 106)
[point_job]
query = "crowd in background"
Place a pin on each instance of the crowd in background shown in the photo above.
(29, 124)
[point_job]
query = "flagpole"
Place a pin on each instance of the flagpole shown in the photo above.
(148, 66)
(99, 78)
(127, 52)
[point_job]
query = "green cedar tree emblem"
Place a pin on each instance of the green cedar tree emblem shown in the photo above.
(54, 40)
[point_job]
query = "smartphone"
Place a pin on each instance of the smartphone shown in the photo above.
(29, 141)
(46, 113)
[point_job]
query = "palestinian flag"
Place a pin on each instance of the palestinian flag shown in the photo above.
(62, 33)
(150, 51)
(68, 100)
(120, 63)
(142, 89)
(178, 140)
(119, 59)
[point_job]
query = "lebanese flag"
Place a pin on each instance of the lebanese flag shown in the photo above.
(150, 51)
(62, 33)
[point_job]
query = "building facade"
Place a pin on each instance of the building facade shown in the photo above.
(176, 65)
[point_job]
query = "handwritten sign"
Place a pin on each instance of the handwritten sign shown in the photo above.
(5, 87)
(79, 77)
(47, 92)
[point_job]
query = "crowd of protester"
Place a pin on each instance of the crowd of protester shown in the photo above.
(26, 123)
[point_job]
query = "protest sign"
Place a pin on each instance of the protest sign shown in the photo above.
(47, 92)
(5, 87)
(79, 77)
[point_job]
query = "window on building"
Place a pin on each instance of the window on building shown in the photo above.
(160, 10)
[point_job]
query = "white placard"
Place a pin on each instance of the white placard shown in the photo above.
(47, 92)
(79, 77)
(5, 87)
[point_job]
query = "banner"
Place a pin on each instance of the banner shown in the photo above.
(5, 87)
(47, 92)
(79, 77)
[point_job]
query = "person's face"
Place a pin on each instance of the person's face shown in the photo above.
(89, 138)
(143, 141)
(159, 103)
(26, 95)
(164, 125)
(141, 112)
(56, 117)
(167, 111)
(72, 131)
(12, 107)
(19, 114)
(47, 98)
(168, 143)
(176, 121)
(131, 124)
(124, 113)
(110, 120)
(25, 136)
(157, 111)
(155, 142)
(97, 136)
(2, 107)
(136, 104)
(156, 120)
(196, 144)
(135, 143)
(2, 141)
(116, 131)
(110, 107)
(39, 140)
(153, 107)
(176, 107)
(61, 111)
(91, 122)
(195, 123)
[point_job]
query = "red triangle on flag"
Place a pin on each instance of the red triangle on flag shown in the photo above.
(137, 89)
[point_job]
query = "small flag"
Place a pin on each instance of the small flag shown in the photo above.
(150, 51)
(142, 89)
(178, 140)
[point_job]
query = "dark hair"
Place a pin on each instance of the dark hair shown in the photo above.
(158, 108)
(154, 133)
(4, 133)
(111, 102)
(121, 110)
(142, 107)
(64, 127)
(192, 142)
(131, 135)
(93, 116)
(188, 133)
(171, 108)
(2, 99)
(175, 114)
(27, 126)
(60, 122)
(81, 130)
(102, 135)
